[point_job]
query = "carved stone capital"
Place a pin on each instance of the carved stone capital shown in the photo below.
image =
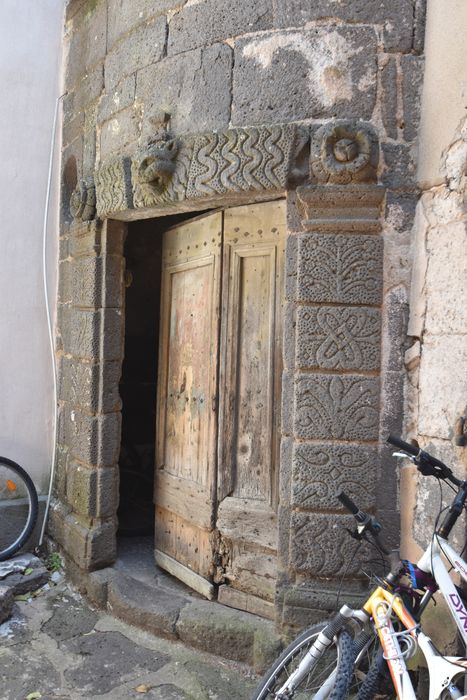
(83, 200)
(352, 208)
(343, 152)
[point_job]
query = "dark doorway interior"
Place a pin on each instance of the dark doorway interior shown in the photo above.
(139, 378)
(138, 384)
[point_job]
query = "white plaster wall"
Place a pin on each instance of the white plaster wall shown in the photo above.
(30, 59)
(436, 388)
(444, 96)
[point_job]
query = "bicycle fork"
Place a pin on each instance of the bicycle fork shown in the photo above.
(314, 654)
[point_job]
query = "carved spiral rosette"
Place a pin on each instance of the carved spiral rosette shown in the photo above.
(344, 152)
(83, 200)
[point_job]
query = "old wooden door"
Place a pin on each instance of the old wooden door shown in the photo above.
(186, 431)
(219, 403)
(250, 379)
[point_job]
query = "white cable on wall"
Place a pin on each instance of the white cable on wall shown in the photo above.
(49, 318)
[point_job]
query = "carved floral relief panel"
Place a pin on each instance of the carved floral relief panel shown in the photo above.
(319, 471)
(320, 545)
(332, 406)
(340, 269)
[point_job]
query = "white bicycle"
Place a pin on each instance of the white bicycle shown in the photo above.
(363, 653)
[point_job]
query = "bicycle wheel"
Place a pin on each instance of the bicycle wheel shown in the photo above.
(332, 674)
(18, 507)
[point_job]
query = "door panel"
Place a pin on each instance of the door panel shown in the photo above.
(250, 318)
(186, 441)
(189, 373)
(250, 377)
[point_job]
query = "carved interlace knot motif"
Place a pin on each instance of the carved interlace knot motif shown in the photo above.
(332, 337)
(343, 152)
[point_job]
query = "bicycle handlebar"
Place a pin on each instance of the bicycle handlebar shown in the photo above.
(347, 503)
(428, 466)
(366, 522)
(402, 445)
(426, 463)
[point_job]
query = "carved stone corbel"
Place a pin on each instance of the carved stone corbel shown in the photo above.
(159, 172)
(83, 200)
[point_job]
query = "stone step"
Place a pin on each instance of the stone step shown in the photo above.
(144, 606)
(205, 625)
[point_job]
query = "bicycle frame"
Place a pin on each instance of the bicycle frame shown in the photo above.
(442, 670)
(431, 562)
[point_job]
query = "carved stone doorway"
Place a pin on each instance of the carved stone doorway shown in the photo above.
(334, 280)
(218, 282)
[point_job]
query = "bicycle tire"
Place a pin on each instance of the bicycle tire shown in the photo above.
(17, 489)
(374, 679)
(338, 657)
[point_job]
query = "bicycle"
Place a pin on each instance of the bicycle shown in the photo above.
(357, 651)
(18, 507)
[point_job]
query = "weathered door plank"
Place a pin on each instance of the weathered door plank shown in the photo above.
(250, 380)
(186, 442)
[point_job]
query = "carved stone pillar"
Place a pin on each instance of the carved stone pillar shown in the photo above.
(331, 388)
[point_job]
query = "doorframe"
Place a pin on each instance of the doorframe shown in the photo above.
(338, 208)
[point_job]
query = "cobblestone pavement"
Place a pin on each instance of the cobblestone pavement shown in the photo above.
(56, 647)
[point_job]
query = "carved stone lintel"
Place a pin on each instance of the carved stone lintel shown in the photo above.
(239, 160)
(113, 187)
(343, 152)
(256, 159)
(212, 164)
(83, 200)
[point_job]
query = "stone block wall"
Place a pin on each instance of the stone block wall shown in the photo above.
(436, 362)
(214, 64)
(90, 349)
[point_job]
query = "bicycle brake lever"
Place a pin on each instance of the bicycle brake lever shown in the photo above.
(355, 534)
(405, 455)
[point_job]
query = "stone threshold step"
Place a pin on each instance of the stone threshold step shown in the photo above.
(205, 625)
